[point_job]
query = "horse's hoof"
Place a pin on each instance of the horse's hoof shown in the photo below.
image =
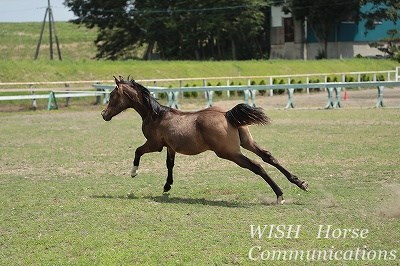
(167, 188)
(280, 200)
(134, 171)
(304, 186)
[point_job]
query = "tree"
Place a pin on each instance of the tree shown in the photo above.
(380, 10)
(176, 29)
(322, 15)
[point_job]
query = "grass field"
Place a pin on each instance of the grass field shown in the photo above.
(18, 44)
(18, 41)
(67, 70)
(67, 198)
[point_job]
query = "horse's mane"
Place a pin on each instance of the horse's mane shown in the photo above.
(156, 108)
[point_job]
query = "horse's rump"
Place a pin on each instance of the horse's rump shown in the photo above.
(243, 114)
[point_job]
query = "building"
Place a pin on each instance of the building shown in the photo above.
(292, 39)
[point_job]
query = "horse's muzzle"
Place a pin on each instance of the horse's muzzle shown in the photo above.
(105, 116)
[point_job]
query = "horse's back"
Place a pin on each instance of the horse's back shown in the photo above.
(195, 132)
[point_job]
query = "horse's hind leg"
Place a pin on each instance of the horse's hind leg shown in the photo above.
(247, 142)
(170, 166)
(256, 168)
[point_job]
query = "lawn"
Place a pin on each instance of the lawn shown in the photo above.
(67, 198)
(18, 43)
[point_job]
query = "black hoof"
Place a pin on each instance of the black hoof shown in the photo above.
(304, 186)
(167, 187)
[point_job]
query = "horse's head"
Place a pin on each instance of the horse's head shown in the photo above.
(121, 98)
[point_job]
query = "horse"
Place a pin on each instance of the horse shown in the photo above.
(191, 133)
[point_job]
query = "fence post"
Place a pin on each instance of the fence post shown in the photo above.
(228, 92)
(379, 102)
(156, 93)
(34, 104)
(52, 103)
(271, 82)
(290, 92)
(98, 97)
(397, 75)
(68, 99)
(208, 94)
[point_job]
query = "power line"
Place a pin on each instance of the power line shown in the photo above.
(207, 9)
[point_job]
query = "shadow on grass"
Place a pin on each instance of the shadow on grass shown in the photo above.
(166, 198)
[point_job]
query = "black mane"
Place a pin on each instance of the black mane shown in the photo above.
(156, 108)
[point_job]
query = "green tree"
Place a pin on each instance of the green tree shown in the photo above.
(380, 10)
(176, 29)
(323, 15)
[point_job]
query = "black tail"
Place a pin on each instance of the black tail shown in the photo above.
(243, 114)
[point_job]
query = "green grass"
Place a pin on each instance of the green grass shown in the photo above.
(18, 44)
(18, 41)
(26, 70)
(67, 198)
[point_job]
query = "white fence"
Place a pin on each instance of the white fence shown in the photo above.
(332, 82)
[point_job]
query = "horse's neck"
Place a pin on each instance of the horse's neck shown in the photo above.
(139, 106)
(141, 109)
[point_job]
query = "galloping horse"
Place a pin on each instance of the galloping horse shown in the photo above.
(192, 133)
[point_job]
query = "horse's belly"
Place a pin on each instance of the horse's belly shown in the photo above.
(188, 146)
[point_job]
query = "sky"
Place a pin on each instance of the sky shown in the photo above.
(32, 10)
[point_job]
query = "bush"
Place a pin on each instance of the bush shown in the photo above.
(262, 92)
(218, 93)
(240, 93)
(186, 94)
(233, 93)
(315, 81)
(281, 91)
(334, 79)
(298, 82)
(364, 77)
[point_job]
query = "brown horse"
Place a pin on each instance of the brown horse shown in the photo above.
(195, 132)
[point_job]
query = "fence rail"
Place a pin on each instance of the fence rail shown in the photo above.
(387, 75)
(250, 91)
(172, 87)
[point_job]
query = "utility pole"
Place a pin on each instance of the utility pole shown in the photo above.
(52, 29)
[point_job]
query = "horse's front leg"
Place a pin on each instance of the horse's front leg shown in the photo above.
(145, 148)
(170, 166)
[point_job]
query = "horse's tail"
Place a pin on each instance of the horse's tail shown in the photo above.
(243, 115)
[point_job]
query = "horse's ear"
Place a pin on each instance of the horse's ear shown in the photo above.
(116, 80)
